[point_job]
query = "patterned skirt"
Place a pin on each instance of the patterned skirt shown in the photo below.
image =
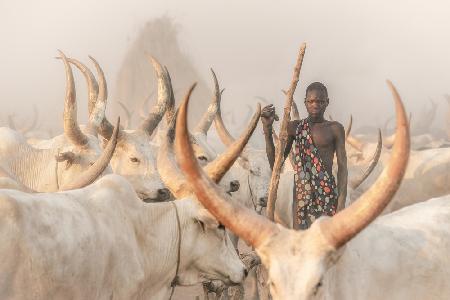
(315, 191)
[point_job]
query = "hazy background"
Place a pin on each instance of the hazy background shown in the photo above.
(352, 47)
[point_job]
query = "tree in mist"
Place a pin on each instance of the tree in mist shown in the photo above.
(136, 80)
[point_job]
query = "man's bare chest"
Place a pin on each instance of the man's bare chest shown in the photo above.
(322, 136)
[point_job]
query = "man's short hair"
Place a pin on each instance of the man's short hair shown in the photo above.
(317, 86)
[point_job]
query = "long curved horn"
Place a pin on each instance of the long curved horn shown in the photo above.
(234, 216)
(218, 167)
(350, 221)
(354, 184)
(164, 95)
(167, 167)
(389, 141)
(170, 111)
(224, 135)
(91, 82)
(96, 109)
(94, 171)
(71, 128)
(106, 129)
(208, 117)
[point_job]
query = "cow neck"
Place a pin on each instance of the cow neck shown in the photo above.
(35, 168)
(175, 279)
(161, 219)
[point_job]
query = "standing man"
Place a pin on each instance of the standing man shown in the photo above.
(315, 141)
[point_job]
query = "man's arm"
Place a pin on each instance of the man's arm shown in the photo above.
(270, 147)
(342, 173)
(267, 117)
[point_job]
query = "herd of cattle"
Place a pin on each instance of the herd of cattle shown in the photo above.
(105, 212)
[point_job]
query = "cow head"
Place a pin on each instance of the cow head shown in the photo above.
(135, 155)
(206, 250)
(77, 153)
(297, 261)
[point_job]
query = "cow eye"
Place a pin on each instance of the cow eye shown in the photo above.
(202, 158)
(202, 225)
(91, 163)
(221, 227)
(134, 159)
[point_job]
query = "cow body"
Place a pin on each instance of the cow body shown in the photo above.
(402, 255)
(427, 176)
(103, 242)
(39, 169)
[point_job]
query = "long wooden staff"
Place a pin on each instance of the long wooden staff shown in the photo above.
(281, 145)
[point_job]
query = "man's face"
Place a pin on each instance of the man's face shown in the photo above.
(316, 103)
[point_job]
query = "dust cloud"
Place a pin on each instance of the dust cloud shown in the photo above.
(353, 47)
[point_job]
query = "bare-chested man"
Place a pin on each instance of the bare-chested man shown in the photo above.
(315, 141)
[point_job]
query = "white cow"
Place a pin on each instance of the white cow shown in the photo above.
(402, 255)
(74, 163)
(297, 261)
(427, 176)
(103, 242)
(135, 155)
(252, 170)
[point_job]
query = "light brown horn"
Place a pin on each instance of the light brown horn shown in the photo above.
(218, 167)
(354, 184)
(71, 128)
(208, 117)
(389, 141)
(164, 94)
(167, 167)
(224, 135)
(251, 227)
(96, 111)
(94, 171)
(91, 82)
(106, 129)
(347, 223)
(170, 111)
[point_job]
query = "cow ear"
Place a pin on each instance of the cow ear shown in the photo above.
(205, 217)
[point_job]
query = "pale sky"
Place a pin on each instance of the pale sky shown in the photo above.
(353, 46)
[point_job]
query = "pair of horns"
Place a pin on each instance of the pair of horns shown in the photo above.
(257, 230)
(155, 115)
(73, 131)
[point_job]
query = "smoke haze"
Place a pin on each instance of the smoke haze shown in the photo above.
(352, 47)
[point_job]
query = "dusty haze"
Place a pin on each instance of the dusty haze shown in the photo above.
(352, 47)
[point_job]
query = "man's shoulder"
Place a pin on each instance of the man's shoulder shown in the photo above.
(336, 127)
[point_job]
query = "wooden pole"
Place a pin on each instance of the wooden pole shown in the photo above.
(279, 156)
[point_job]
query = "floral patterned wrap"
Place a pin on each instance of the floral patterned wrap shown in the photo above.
(315, 191)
